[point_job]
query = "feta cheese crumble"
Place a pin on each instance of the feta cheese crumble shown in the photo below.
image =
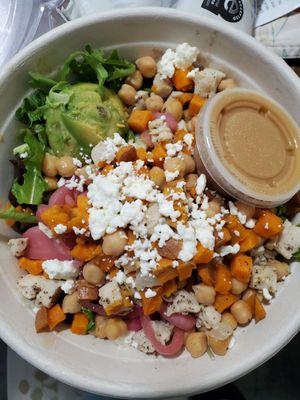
(57, 269)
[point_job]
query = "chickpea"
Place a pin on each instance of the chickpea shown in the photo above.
(70, 304)
(147, 66)
(135, 80)
(187, 333)
(65, 166)
(190, 164)
(241, 312)
(154, 103)
(100, 326)
(237, 286)
(282, 269)
(226, 84)
(173, 107)
(175, 164)
(114, 244)
(229, 320)
(219, 347)
(162, 87)
(93, 274)
(86, 171)
(115, 328)
(196, 344)
(191, 181)
(51, 182)
(245, 209)
(248, 293)
(214, 207)
(127, 94)
(205, 294)
(49, 165)
(157, 175)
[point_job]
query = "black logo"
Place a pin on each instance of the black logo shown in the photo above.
(230, 10)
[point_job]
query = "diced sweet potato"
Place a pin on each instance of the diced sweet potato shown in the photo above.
(126, 154)
(55, 316)
(268, 225)
(241, 267)
(223, 279)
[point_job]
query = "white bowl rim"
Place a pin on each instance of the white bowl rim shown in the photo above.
(17, 342)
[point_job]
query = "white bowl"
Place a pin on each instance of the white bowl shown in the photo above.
(89, 363)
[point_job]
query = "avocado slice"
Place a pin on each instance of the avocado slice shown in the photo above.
(87, 119)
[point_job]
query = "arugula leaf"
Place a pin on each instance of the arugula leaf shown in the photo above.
(91, 65)
(31, 190)
(91, 317)
(297, 255)
(39, 81)
(16, 215)
(29, 112)
(280, 212)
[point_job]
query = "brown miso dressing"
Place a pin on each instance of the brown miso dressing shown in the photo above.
(256, 144)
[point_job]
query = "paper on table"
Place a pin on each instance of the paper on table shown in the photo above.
(270, 10)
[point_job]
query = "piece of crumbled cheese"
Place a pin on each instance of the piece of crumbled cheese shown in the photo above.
(77, 162)
(165, 66)
(159, 130)
(266, 225)
(170, 176)
(166, 207)
(175, 264)
(173, 148)
(266, 294)
(250, 223)
(120, 277)
(234, 211)
(162, 233)
(207, 81)
(189, 242)
(225, 250)
(78, 231)
(192, 73)
(107, 149)
(221, 235)
(237, 233)
(185, 55)
(146, 254)
(150, 293)
(204, 204)
(188, 139)
(137, 296)
(61, 182)
(140, 100)
(57, 269)
(45, 230)
(68, 286)
(204, 233)
(184, 302)
(60, 229)
(182, 124)
(201, 184)
(130, 281)
(139, 187)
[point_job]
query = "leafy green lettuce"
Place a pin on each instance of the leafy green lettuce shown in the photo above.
(31, 190)
(16, 215)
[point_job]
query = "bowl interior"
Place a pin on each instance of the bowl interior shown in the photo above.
(105, 367)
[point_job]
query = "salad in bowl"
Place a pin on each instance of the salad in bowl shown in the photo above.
(120, 237)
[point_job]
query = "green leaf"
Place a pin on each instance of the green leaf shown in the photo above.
(39, 81)
(297, 255)
(280, 212)
(130, 136)
(91, 318)
(20, 216)
(21, 149)
(31, 190)
(29, 112)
